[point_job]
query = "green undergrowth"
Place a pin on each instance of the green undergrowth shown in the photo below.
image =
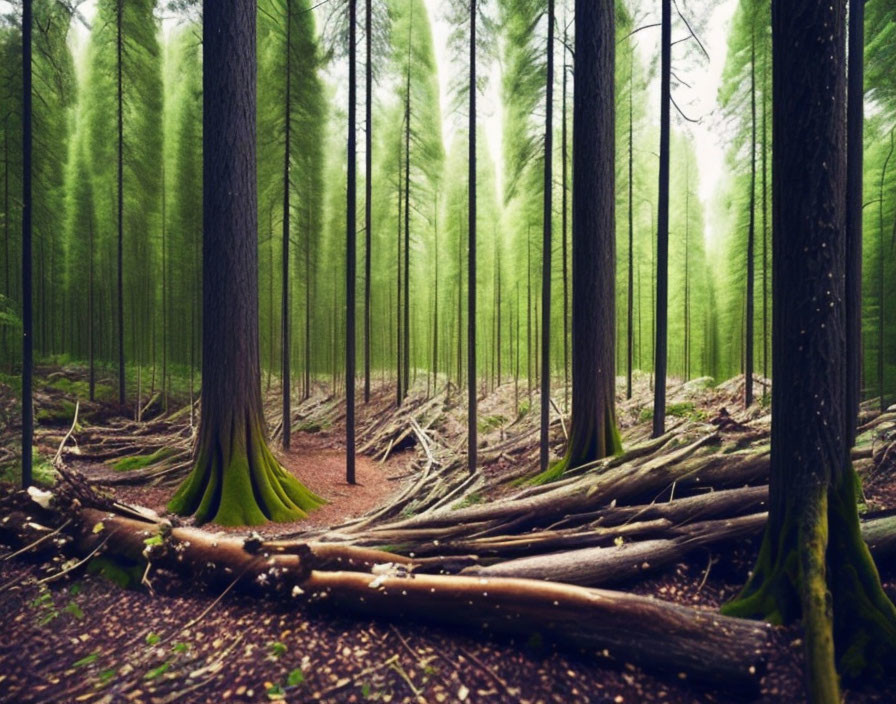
(42, 470)
(469, 500)
(686, 409)
(126, 464)
(489, 423)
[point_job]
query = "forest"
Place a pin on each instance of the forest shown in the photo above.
(473, 350)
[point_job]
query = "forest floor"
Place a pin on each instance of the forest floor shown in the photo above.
(83, 638)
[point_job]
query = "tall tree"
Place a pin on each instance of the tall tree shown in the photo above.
(593, 433)
(350, 251)
(472, 420)
(235, 479)
(855, 116)
(27, 319)
(662, 237)
(751, 233)
(547, 244)
(813, 562)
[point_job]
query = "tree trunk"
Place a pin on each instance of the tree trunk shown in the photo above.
(564, 138)
(350, 253)
(235, 478)
(593, 433)
(662, 237)
(813, 563)
(855, 117)
(751, 233)
(368, 189)
(285, 328)
(546, 245)
(27, 316)
(471, 257)
(880, 277)
(120, 103)
(631, 224)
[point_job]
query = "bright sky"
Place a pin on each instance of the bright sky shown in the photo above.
(699, 101)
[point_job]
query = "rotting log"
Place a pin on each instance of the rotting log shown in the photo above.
(699, 644)
(646, 631)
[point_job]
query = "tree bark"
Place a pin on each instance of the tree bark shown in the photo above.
(120, 102)
(855, 107)
(235, 478)
(368, 189)
(350, 252)
(813, 563)
(751, 232)
(27, 207)
(546, 247)
(593, 434)
(662, 237)
(472, 441)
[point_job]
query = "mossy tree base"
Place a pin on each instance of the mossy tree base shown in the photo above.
(848, 603)
(586, 445)
(239, 482)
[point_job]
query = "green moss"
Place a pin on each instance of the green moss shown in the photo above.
(864, 619)
(595, 444)
(56, 415)
(469, 500)
(42, 471)
(132, 462)
(489, 423)
(237, 481)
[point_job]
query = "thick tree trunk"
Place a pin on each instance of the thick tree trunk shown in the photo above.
(546, 247)
(593, 434)
(27, 207)
(235, 479)
(813, 563)
(662, 237)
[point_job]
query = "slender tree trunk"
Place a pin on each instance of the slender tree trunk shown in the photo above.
(564, 132)
(164, 297)
(120, 99)
(285, 335)
(398, 277)
(546, 245)
(529, 316)
(880, 277)
(27, 319)
(687, 261)
(631, 222)
(472, 440)
(235, 479)
(91, 361)
(368, 171)
(350, 251)
(855, 110)
(751, 234)
(309, 289)
(460, 314)
(662, 238)
(765, 292)
(406, 308)
(435, 311)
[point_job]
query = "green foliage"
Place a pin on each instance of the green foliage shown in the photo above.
(469, 500)
(126, 464)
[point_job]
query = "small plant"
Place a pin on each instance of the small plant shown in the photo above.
(276, 649)
(469, 500)
(489, 423)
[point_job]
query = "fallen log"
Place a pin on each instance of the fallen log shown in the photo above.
(658, 635)
(643, 630)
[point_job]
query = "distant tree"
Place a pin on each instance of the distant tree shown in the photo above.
(27, 204)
